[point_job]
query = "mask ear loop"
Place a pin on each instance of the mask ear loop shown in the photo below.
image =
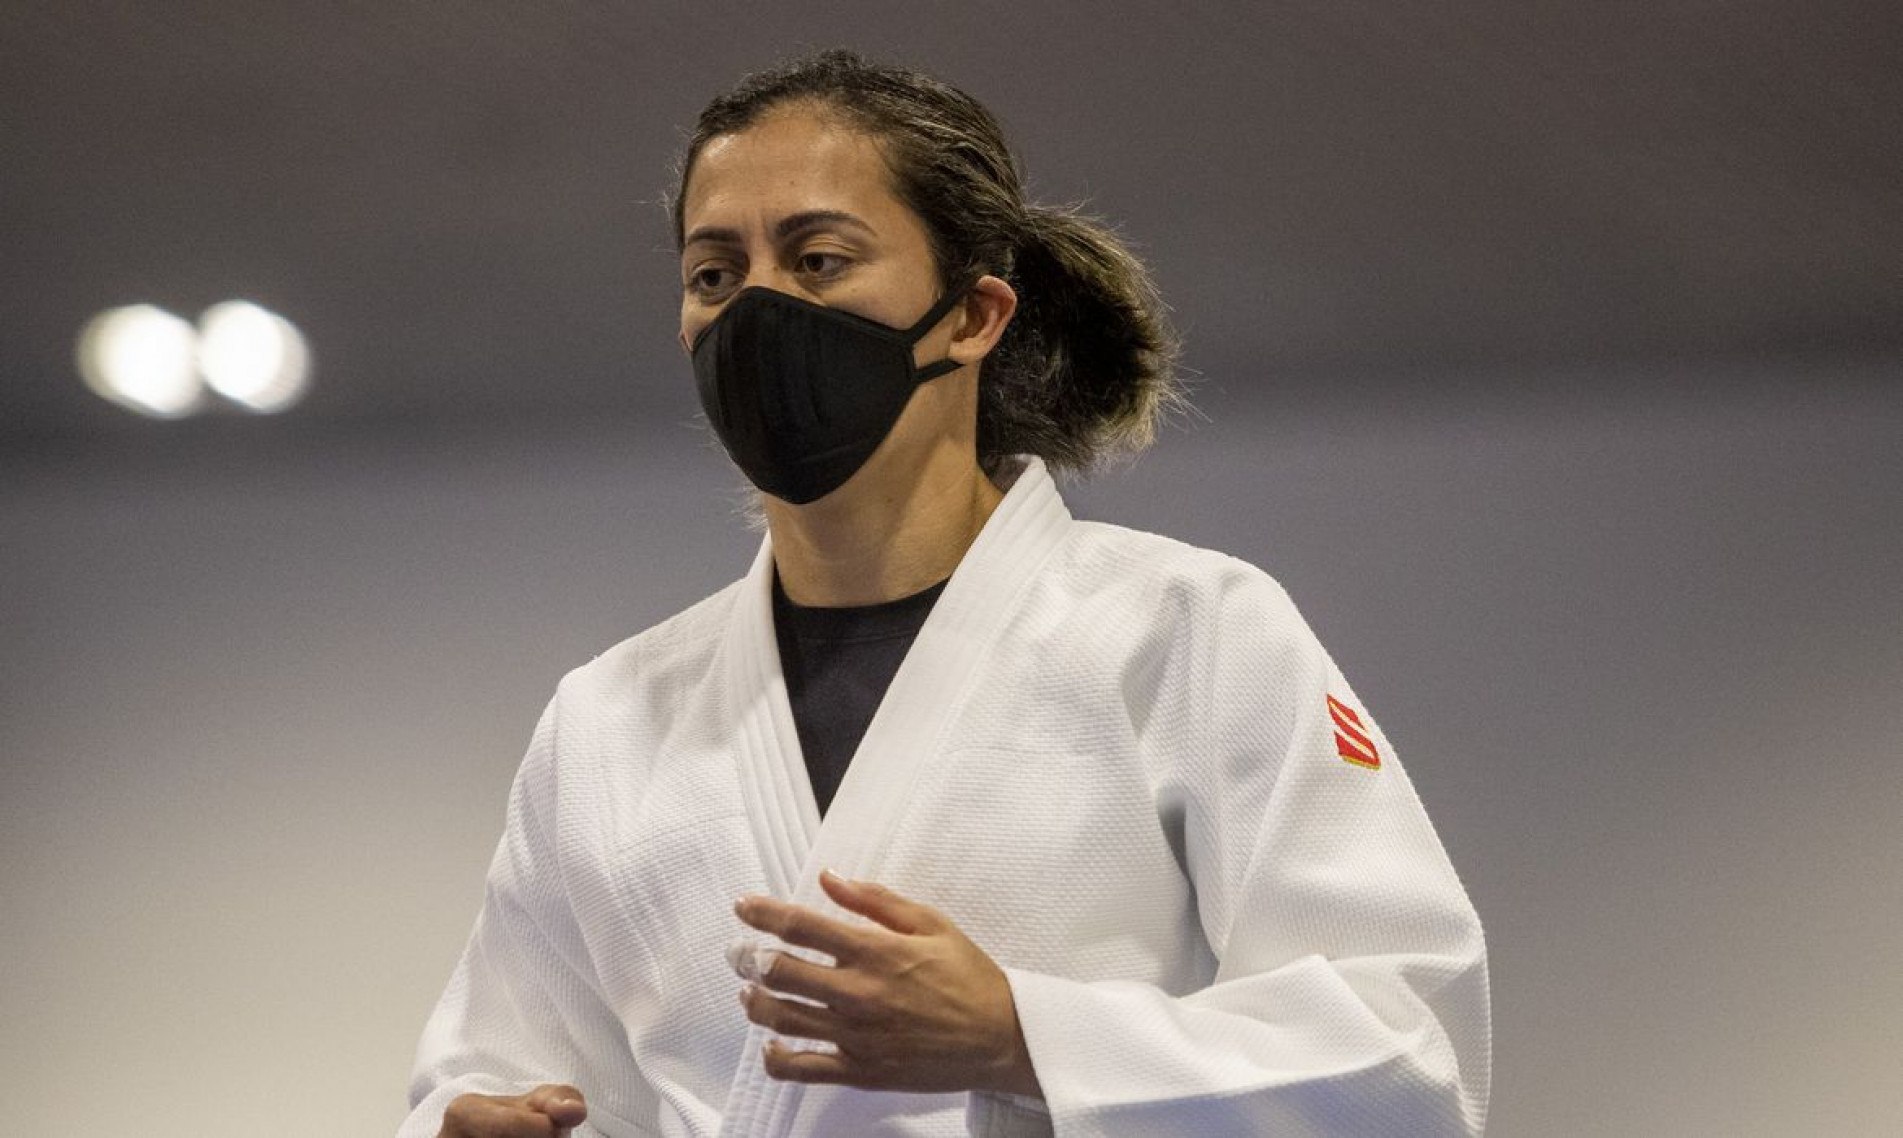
(927, 322)
(930, 372)
(952, 299)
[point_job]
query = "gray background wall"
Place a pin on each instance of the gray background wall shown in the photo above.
(1552, 362)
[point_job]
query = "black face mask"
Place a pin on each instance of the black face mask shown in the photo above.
(801, 394)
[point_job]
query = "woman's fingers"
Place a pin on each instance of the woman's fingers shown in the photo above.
(797, 1066)
(881, 905)
(548, 1111)
(788, 975)
(911, 1003)
(790, 1017)
(562, 1103)
(798, 925)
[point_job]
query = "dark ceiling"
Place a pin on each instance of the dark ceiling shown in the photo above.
(458, 202)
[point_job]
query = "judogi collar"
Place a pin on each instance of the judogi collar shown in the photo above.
(901, 746)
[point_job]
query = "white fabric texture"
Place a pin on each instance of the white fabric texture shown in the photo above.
(1109, 757)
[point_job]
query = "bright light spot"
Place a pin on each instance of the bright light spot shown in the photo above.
(252, 356)
(141, 357)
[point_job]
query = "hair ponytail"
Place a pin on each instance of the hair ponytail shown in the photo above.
(1088, 363)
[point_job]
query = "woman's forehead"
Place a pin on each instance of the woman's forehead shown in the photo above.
(788, 162)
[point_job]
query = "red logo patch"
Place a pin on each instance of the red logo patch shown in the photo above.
(1352, 741)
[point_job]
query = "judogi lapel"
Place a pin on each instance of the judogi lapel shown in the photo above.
(897, 758)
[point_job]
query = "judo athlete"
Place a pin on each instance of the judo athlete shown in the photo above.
(1009, 823)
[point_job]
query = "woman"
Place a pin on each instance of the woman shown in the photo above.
(1036, 825)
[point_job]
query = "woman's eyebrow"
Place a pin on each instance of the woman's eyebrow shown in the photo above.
(818, 218)
(788, 226)
(717, 234)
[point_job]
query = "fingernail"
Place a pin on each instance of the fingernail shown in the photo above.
(746, 993)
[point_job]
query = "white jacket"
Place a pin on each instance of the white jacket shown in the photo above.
(1126, 769)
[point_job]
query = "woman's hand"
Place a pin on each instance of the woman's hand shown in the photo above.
(549, 1111)
(909, 1005)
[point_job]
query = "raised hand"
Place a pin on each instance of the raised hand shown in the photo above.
(909, 1004)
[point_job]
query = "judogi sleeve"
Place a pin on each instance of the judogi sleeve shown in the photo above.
(523, 1006)
(1350, 996)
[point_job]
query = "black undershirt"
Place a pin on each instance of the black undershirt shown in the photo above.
(838, 663)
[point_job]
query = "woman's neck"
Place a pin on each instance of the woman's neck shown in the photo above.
(879, 537)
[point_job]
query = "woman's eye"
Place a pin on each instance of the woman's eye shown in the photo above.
(709, 279)
(821, 264)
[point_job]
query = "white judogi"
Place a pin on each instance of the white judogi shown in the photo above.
(1108, 756)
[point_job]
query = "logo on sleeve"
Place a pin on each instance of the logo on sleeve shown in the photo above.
(1352, 741)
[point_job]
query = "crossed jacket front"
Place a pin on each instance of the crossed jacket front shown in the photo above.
(1115, 760)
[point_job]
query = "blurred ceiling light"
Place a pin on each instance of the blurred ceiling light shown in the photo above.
(252, 356)
(142, 357)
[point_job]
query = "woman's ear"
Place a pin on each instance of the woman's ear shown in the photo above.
(988, 309)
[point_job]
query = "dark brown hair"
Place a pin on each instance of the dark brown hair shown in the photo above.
(1087, 365)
